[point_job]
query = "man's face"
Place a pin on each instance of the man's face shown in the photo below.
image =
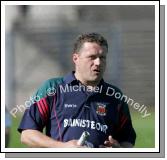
(90, 63)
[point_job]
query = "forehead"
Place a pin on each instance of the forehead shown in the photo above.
(93, 47)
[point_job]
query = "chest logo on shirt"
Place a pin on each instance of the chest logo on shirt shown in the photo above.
(101, 109)
(70, 105)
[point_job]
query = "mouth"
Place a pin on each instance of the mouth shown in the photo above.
(96, 71)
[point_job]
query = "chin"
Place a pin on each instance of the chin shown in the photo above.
(96, 79)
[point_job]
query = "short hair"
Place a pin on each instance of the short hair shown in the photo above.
(89, 37)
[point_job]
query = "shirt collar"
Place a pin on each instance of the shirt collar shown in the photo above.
(70, 78)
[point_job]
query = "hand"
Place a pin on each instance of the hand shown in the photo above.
(112, 143)
(72, 144)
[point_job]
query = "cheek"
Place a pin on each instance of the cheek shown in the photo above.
(86, 64)
(82, 65)
(104, 64)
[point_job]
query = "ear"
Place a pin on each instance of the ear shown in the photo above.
(75, 58)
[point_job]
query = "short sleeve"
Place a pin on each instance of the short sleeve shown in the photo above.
(36, 116)
(125, 131)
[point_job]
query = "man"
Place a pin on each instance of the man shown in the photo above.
(80, 101)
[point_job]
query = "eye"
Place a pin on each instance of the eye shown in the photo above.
(92, 57)
(103, 57)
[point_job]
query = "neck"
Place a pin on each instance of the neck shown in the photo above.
(86, 83)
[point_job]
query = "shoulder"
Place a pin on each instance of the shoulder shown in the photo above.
(113, 88)
(48, 87)
(52, 82)
(119, 97)
(115, 93)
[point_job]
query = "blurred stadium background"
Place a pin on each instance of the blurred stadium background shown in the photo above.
(38, 46)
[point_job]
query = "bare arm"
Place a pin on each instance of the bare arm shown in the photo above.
(126, 145)
(34, 138)
(115, 144)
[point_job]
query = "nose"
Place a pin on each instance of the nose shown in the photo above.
(97, 61)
